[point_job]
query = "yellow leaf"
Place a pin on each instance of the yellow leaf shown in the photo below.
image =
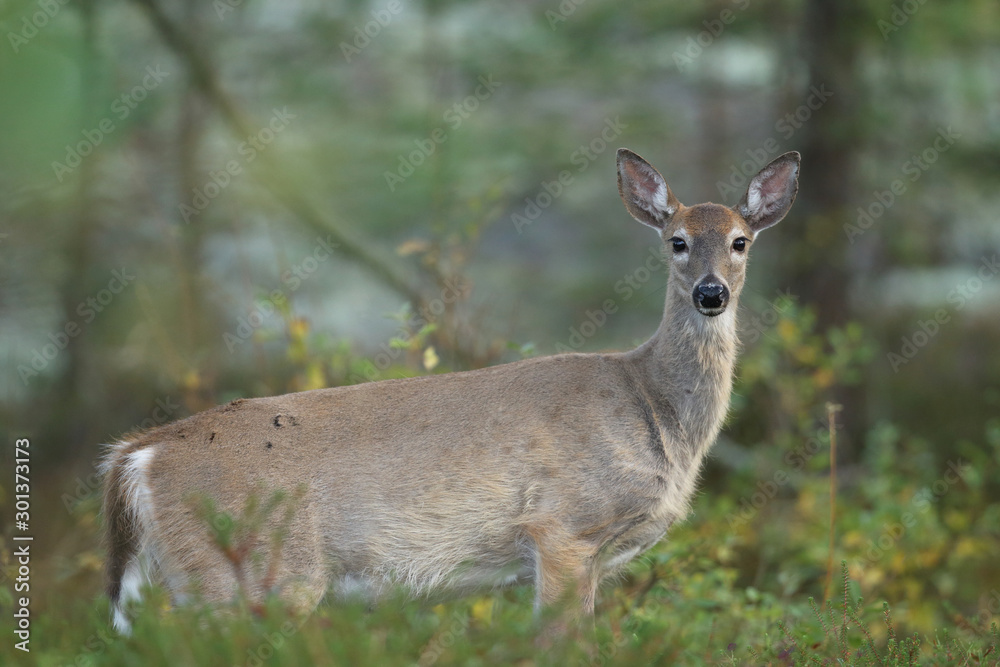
(86, 519)
(482, 610)
(898, 563)
(957, 521)
(787, 331)
(807, 502)
(430, 358)
(853, 539)
(89, 561)
(298, 328)
(191, 380)
(921, 616)
(914, 589)
(315, 378)
(823, 378)
(870, 578)
(806, 354)
(966, 546)
(412, 246)
(929, 559)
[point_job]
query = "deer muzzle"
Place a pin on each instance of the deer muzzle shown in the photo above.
(711, 296)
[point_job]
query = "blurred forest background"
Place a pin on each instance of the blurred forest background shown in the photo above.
(208, 200)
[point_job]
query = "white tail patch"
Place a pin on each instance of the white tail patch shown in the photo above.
(136, 485)
(132, 581)
(138, 500)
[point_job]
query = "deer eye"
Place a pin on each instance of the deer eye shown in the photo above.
(739, 245)
(679, 245)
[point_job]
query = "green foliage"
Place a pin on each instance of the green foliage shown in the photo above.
(734, 585)
(240, 539)
(917, 513)
(675, 607)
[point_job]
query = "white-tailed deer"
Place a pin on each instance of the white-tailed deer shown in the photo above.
(556, 470)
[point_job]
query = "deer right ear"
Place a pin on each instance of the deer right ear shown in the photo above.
(646, 195)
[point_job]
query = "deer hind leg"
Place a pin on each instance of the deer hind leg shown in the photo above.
(301, 577)
(293, 567)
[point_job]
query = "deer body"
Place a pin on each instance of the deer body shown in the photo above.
(556, 470)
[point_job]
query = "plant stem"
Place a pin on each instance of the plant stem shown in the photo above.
(831, 414)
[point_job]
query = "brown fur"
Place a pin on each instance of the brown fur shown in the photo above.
(555, 470)
(706, 218)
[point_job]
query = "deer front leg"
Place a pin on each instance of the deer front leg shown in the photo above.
(563, 576)
(564, 569)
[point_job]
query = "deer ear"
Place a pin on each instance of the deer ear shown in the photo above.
(646, 195)
(771, 192)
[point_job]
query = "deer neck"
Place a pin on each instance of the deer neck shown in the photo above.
(689, 361)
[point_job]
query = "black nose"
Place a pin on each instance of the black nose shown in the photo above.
(710, 290)
(711, 294)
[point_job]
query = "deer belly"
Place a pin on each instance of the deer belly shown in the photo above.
(424, 554)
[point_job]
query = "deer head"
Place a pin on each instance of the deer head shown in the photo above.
(707, 243)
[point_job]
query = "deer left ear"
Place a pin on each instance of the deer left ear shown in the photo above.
(771, 192)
